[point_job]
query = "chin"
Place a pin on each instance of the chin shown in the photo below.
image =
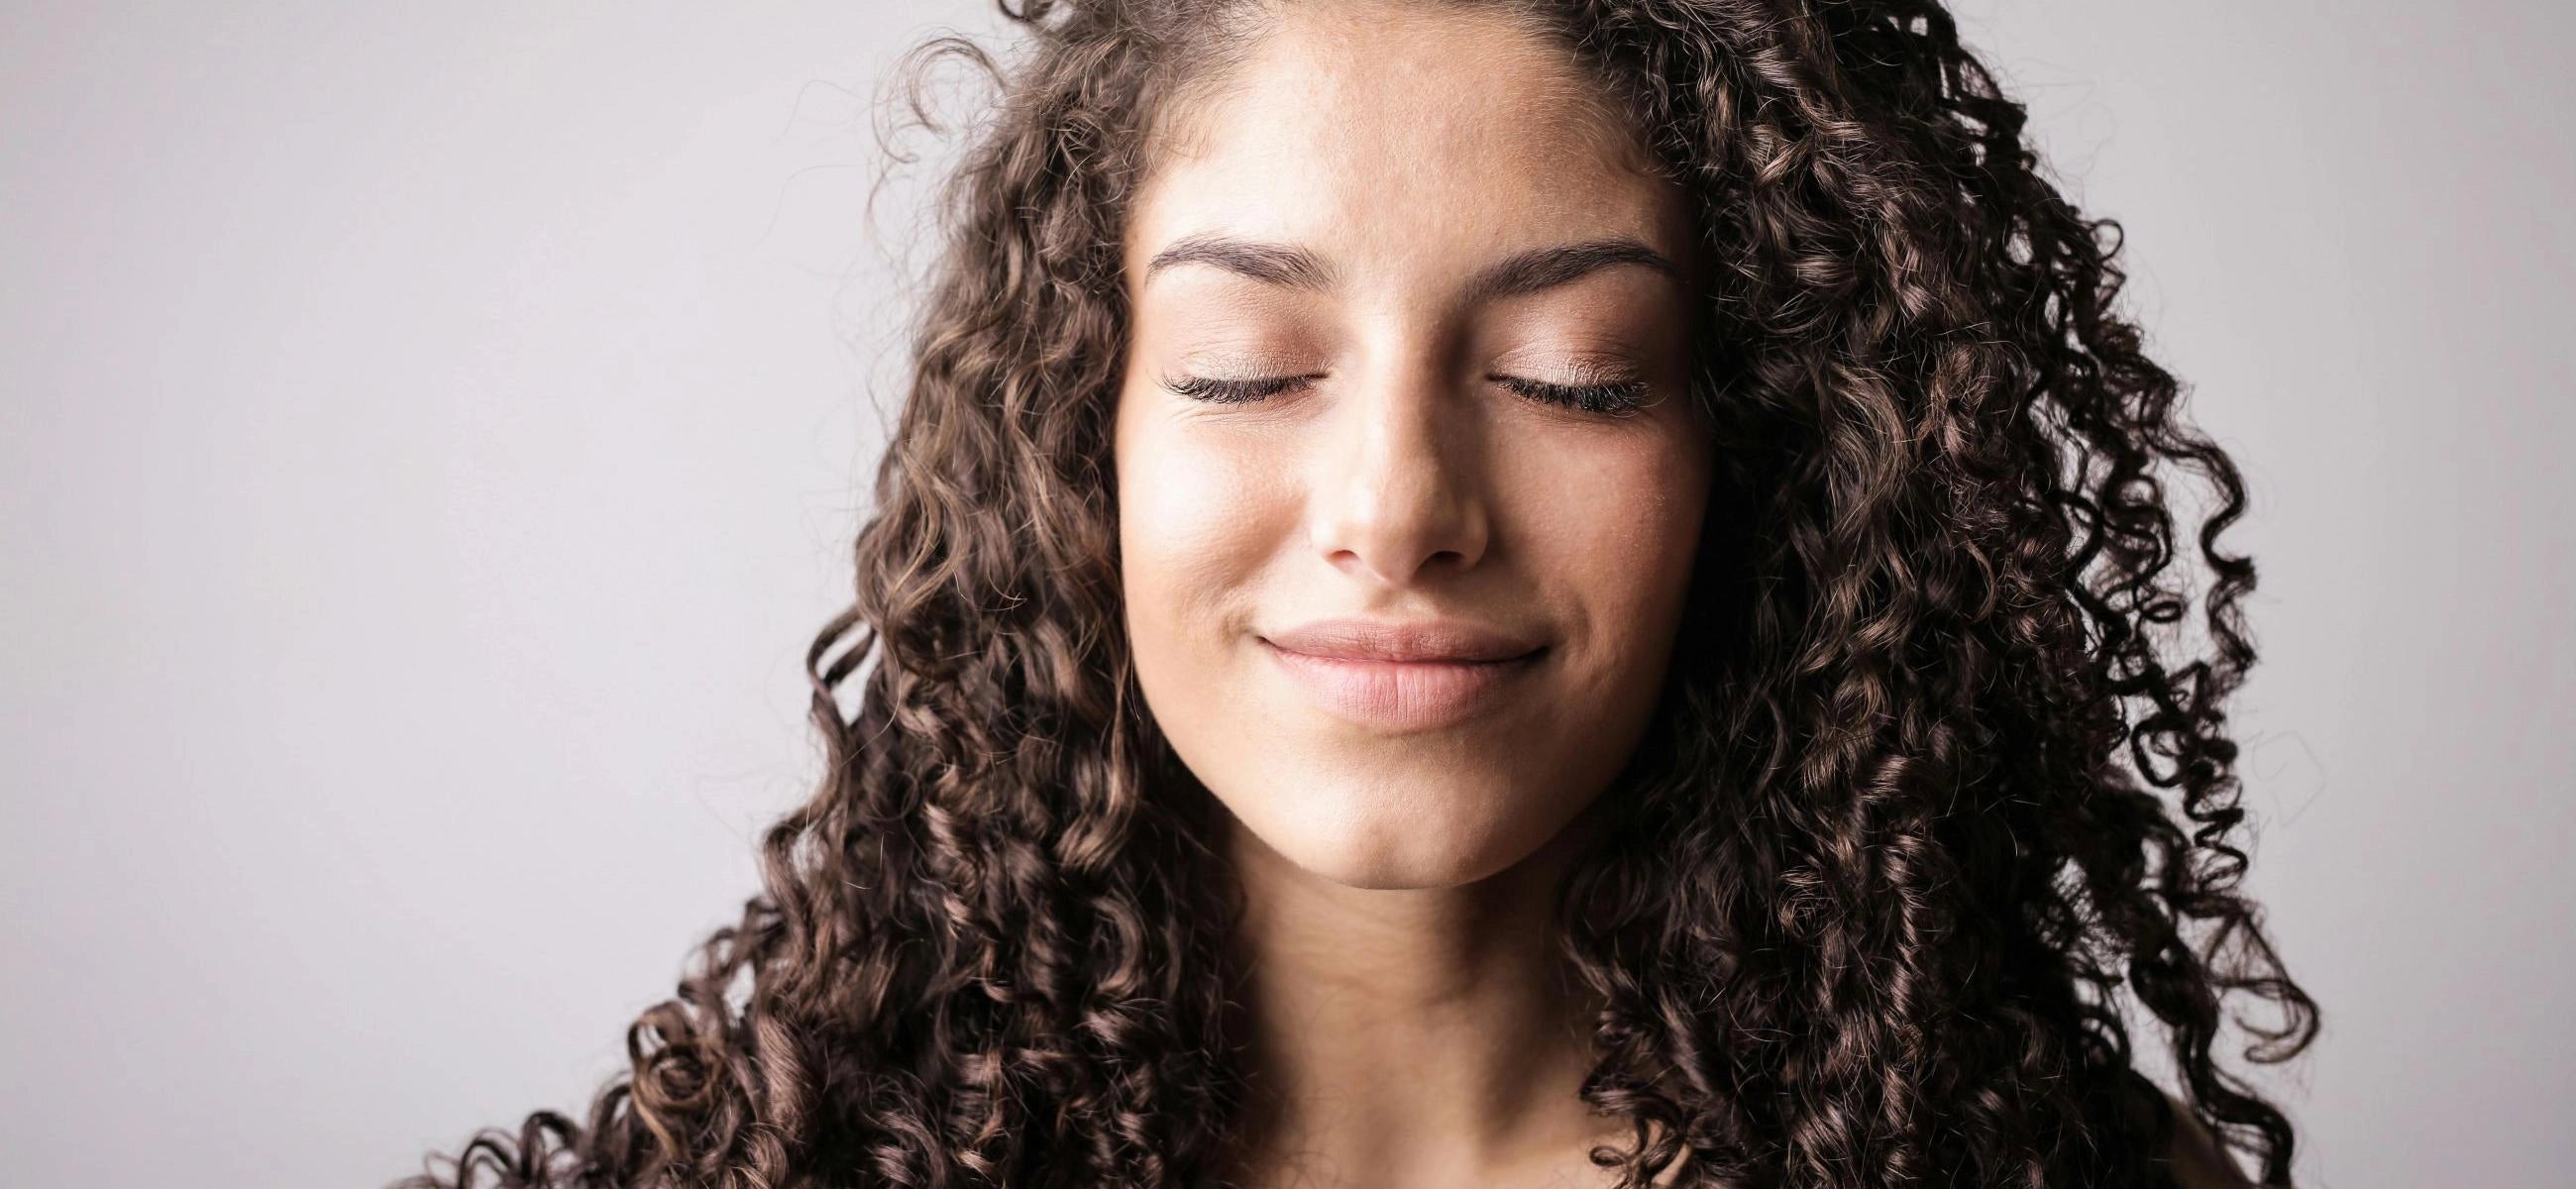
(1374, 837)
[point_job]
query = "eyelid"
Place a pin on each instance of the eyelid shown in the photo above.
(1624, 396)
(1255, 388)
(1613, 398)
(1250, 361)
(1584, 367)
(1576, 370)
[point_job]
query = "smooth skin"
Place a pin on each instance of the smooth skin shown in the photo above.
(1331, 218)
(1412, 1026)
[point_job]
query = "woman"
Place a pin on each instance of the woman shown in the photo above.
(1497, 594)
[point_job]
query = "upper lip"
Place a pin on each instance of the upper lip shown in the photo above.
(1405, 640)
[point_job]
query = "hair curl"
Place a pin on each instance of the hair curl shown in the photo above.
(1892, 852)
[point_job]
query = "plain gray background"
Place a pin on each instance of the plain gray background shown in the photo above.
(433, 435)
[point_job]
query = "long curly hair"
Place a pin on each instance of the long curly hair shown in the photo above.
(1939, 790)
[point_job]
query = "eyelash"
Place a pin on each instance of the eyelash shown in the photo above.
(1619, 399)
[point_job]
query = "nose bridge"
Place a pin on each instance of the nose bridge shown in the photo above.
(1401, 489)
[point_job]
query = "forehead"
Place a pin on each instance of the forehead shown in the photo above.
(1390, 134)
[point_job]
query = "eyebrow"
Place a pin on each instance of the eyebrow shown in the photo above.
(1294, 267)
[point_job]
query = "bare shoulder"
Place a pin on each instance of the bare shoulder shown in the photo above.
(2199, 1161)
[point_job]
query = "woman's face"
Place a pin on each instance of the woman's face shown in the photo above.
(1385, 253)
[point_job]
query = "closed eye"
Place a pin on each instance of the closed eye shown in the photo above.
(1233, 392)
(1621, 398)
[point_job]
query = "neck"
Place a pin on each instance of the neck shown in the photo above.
(1411, 1036)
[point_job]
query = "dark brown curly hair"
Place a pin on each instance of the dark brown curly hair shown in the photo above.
(1939, 789)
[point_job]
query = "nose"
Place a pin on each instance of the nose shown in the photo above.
(1398, 482)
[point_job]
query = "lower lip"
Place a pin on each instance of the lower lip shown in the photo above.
(1400, 695)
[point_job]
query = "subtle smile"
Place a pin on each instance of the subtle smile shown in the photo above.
(1414, 695)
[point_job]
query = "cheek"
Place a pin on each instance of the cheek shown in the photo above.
(1196, 519)
(1615, 532)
